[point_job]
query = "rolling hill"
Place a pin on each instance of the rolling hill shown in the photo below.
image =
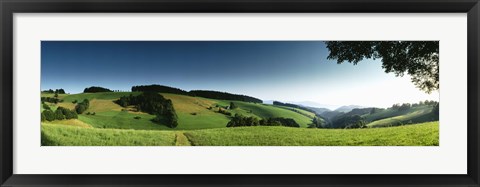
(202, 122)
(193, 112)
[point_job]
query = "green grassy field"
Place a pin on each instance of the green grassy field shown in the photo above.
(193, 112)
(425, 134)
(62, 135)
(266, 111)
(394, 118)
(100, 95)
(201, 124)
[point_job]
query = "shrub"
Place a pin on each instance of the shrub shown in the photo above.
(137, 117)
(49, 115)
(70, 114)
(232, 105)
(74, 101)
(42, 117)
(59, 115)
(80, 108)
(222, 111)
(46, 107)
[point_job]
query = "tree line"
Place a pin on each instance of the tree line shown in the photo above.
(354, 119)
(243, 121)
(223, 96)
(60, 114)
(95, 89)
(278, 103)
(50, 100)
(159, 88)
(318, 121)
(57, 91)
(152, 103)
(195, 93)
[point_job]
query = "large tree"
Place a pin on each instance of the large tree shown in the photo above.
(419, 59)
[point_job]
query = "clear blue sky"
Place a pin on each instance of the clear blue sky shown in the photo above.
(292, 71)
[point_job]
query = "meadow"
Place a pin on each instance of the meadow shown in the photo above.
(424, 134)
(106, 123)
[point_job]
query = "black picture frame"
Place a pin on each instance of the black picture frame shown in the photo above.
(9, 7)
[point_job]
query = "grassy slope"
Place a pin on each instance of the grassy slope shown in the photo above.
(186, 107)
(193, 112)
(205, 118)
(266, 111)
(393, 118)
(301, 111)
(101, 95)
(411, 135)
(55, 135)
(122, 120)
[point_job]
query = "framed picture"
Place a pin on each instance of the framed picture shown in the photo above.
(229, 93)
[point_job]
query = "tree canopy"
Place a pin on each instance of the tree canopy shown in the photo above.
(95, 89)
(420, 59)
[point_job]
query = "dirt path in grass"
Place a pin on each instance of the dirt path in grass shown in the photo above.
(181, 139)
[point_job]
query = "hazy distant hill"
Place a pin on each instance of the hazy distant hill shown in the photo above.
(348, 108)
(319, 110)
(315, 104)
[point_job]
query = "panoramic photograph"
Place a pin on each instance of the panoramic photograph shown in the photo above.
(239, 93)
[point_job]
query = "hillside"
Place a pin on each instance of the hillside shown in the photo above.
(192, 112)
(390, 117)
(425, 134)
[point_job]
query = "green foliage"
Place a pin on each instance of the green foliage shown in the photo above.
(420, 59)
(43, 117)
(232, 106)
(242, 121)
(49, 115)
(436, 111)
(50, 99)
(74, 101)
(223, 96)
(70, 114)
(152, 103)
(95, 89)
(57, 91)
(59, 115)
(223, 111)
(45, 106)
(317, 123)
(265, 111)
(159, 89)
(64, 113)
(82, 107)
(349, 121)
